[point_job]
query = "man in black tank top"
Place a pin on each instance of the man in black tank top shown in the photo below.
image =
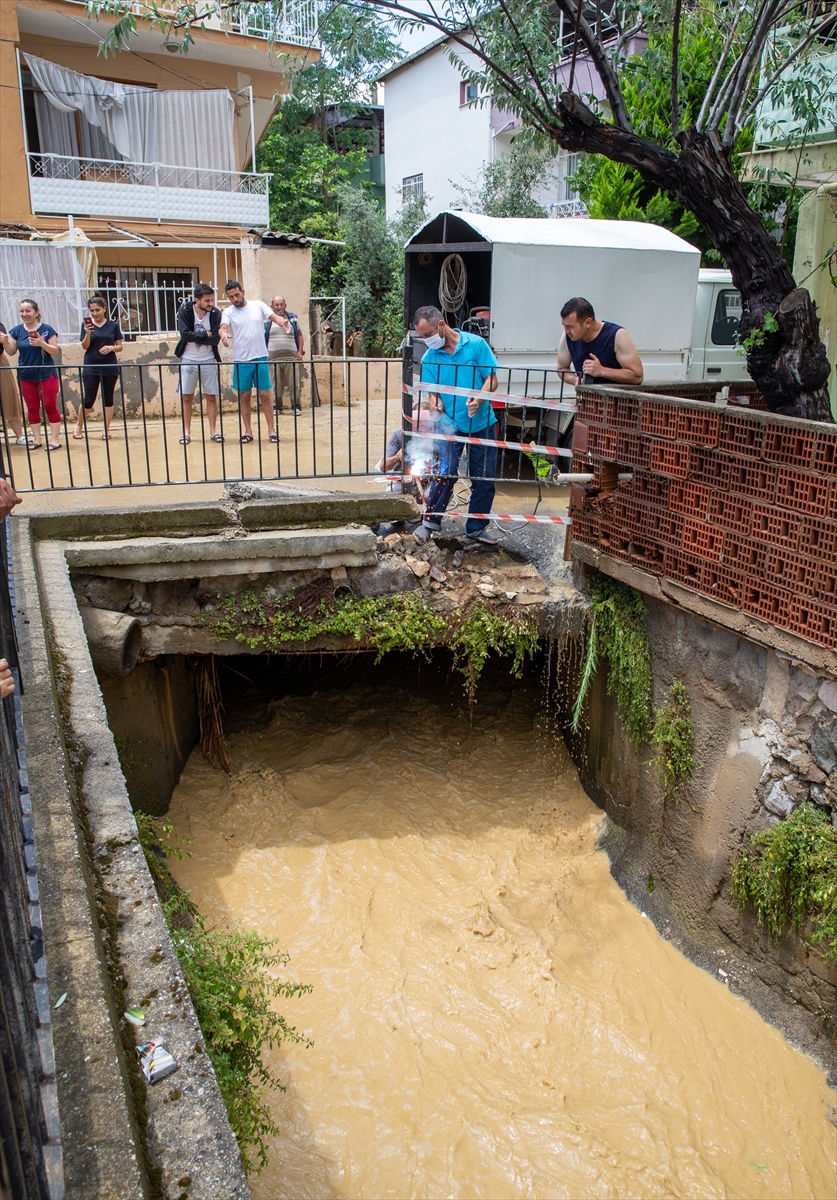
(595, 350)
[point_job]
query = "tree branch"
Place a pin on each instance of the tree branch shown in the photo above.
(780, 70)
(675, 71)
(603, 65)
(719, 68)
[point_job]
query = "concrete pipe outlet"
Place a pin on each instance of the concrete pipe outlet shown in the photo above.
(114, 639)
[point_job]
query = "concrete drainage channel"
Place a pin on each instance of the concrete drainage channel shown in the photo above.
(106, 611)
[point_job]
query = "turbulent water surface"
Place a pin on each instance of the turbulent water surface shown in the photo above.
(491, 1017)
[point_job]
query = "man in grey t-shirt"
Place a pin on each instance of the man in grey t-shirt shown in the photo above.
(286, 349)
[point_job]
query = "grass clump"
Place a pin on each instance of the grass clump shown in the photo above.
(617, 633)
(230, 973)
(789, 874)
(404, 621)
(674, 741)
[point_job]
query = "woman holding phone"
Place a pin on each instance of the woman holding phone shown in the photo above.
(102, 341)
(36, 344)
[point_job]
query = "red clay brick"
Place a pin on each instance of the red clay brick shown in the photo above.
(614, 541)
(755, 479)
(699, 428)
(814, 621)
(663, 526)
(709, 466)
(585, 528)
(703, 539)
(722, 583)
(789, 446)
(658, 418)
(683, 567)
(744, 555)
(650, 488)
(825, 587)
(671, 458)
(740, 435)
(802, 491)
(689, 498)
(622, 412)
(731, 512)
(590, 407)
(787, 569)
(818, 539)
(825, 453)
(775, 526)
(765, 601)
(602, 443)
(633, 450)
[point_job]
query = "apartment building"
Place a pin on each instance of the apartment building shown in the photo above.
(136, 173)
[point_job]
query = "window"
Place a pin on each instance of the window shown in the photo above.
(468, 92)
(412, 187)
(727, 318)
(145, 300)
(567, 167)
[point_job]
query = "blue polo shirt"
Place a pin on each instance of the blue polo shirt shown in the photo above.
(468, 367)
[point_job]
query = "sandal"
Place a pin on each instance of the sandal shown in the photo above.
(217, 437)
(78, 436)
(53, 445)
(185, 440)
(27, 442)
(245, 438)
(106, 437)
(274, 437)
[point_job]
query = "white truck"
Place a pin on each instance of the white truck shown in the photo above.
(520, 271)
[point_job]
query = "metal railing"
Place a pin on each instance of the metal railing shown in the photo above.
(156, 175)
(332, 418)
(293, 21)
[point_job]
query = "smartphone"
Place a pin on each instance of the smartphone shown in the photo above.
(88, 322)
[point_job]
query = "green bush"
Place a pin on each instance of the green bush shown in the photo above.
(230, 976)
(789, 873)
(617, 633)
(674, 740)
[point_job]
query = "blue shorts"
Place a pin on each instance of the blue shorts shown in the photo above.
(251, 374)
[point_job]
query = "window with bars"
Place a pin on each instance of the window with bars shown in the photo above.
(412, 187)
(146, 299)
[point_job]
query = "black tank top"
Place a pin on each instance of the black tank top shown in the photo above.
(602, 346)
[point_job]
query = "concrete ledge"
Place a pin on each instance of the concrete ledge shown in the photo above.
(338, 507)
(214, 556)
(133, 521)
(752, 628)
(186, 1128)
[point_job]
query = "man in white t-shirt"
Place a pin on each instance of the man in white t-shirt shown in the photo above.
(243, 325)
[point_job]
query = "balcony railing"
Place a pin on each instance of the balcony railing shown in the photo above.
(101, 187)
(294, 21)
(568, 208)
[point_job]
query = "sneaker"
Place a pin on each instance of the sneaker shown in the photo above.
(486, 536)
(422, 534)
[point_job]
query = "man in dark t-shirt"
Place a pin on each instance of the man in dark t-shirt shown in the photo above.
(597, 351)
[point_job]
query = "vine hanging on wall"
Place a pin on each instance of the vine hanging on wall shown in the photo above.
(674, 742)
(618, 633)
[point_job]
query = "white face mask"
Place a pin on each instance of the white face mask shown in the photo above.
(434, 342)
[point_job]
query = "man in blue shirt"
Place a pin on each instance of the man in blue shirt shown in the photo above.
(459, 360)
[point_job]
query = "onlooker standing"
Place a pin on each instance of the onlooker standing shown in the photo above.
(102, 340)
(461, 360)
(245, 321)
(286, 350)
(199, 324)
(9, 399)
(596, 349)
(36, 344)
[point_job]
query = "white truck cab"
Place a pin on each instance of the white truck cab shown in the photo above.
(715, 331)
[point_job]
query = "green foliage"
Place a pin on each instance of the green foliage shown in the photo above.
(230, 973)
(506, 187)
(674, 742)
(403, 621)
(790, 875)
(617, 633)
(482, 631)
(756, 336)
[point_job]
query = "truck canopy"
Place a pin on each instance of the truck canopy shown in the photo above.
(524, 269)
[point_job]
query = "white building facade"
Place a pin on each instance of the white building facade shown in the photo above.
(438, 133)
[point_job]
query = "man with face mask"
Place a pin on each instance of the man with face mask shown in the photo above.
(459, 360)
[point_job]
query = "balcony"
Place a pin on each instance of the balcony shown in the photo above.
(294, 22)
(114, 188)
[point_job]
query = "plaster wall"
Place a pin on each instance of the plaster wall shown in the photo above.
(751, 708)
(816, 232)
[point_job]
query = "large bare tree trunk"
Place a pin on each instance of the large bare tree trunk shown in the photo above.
(790, 366)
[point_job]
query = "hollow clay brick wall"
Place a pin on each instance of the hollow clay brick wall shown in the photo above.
(737, 503)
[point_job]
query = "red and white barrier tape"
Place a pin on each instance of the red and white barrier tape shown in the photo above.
(528, 447)
(501, 399)
(492, 516)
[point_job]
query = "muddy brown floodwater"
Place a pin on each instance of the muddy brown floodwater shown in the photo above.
(492, 1018)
